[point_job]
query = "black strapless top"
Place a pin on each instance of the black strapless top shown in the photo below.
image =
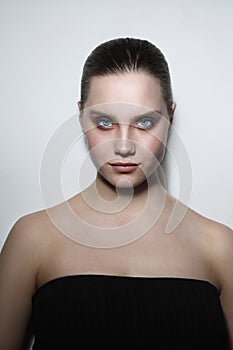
(161, 312)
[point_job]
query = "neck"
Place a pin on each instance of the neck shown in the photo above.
(103, 196)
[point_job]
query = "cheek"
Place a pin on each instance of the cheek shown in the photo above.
(154, 145)
(153, 152)
(96, 139)
(100, 148)
(157, 141)
(93, 139)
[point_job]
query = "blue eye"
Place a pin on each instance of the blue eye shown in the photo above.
(104, 123)
(145, 123)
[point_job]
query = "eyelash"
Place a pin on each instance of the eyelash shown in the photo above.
(99, 120)
(102, 120)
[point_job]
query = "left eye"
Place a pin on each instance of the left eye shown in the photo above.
(145, 123)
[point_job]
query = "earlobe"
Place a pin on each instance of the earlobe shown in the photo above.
(172, 112)
(79, 105)
(80, 115)
(173, 107)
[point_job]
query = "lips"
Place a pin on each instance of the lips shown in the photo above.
(123, 164)
(124, 167)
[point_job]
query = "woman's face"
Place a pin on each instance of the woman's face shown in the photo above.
(126, 123)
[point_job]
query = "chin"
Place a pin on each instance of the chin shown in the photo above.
(123, 182)
(129, 180)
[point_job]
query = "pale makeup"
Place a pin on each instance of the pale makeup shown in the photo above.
(126, 124)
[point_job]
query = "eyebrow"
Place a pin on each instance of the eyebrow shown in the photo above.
(99, 113)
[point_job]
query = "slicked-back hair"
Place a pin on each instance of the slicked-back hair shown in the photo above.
(126, 55)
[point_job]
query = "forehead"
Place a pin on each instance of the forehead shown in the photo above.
(133, 88)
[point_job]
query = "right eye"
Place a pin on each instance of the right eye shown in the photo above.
(104, 123)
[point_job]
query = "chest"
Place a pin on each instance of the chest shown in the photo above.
(166, 256)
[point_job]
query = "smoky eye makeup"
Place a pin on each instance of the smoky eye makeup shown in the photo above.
(147, 121)
(103, 122)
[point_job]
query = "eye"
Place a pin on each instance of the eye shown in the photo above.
(104, 123)
(145, 123)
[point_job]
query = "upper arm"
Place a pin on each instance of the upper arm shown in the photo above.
(222, 252)
(19, 260)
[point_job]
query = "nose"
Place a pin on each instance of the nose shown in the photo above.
(123, 145)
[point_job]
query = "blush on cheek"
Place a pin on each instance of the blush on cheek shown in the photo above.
(93, 139)
(159, 150)
(156, 150)
(100, 152)
(153, 145)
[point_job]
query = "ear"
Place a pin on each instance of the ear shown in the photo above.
(173, 111)
(79, 104)
(171, 116)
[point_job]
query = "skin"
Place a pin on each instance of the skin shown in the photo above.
(124, 138)
(36, 251)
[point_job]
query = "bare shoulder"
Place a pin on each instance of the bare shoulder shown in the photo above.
(30, 229)
(218, 236)
(19, 262)
(219, 240)
(202, 228)
(216, 241)
(38, 233)
(28, 238)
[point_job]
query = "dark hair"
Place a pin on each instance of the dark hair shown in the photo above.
(124, 55)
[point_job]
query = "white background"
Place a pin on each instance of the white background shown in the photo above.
(43, 48)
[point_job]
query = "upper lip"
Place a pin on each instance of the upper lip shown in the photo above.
(123, 163)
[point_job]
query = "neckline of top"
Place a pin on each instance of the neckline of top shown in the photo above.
(129, 277)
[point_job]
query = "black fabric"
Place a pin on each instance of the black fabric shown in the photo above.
(154, 312)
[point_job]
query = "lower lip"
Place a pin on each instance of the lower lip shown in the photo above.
(124, 169)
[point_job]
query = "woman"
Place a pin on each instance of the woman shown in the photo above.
(143, 285)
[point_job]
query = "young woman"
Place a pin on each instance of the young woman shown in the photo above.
(120, 278)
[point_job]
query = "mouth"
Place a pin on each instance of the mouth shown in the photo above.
(124, 167)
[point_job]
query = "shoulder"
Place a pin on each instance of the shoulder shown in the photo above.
(20, 259)
(195, 225)
(41, 228)
(220, 236)
(217, 236)
(216, 241)
(30, 227)
(219, 239)
(219, 249)
(28, 235)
